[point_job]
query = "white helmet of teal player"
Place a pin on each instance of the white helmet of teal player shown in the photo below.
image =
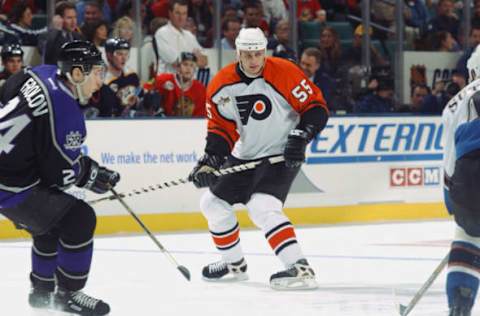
(250, 39)
(473, 64)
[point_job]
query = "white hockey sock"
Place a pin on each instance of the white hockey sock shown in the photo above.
(266, 212)
(223, 226)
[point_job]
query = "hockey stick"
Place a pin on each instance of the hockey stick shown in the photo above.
(184, 271)
(218, 173)
(405, 310)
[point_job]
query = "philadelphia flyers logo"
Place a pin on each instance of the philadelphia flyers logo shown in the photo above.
(257, 106)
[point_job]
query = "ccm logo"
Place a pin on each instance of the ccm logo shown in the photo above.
(401, 177)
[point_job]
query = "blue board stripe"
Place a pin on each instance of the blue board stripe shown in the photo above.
(373, 158)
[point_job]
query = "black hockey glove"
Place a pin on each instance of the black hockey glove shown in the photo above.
(202, 175)
(297, 142)
(96, 178)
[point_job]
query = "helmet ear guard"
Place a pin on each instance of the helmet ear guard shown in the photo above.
(81, 55)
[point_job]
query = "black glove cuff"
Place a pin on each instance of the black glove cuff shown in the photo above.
(86, 164)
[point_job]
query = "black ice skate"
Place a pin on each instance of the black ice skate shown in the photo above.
(224, 272)
(40, 298)
(80, 303)
(298, 277)
(462, 303)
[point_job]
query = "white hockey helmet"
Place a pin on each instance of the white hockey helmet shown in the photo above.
(250, 39)
(473, 64)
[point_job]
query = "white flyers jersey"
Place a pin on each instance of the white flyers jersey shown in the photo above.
(254, 116)
(458, 110)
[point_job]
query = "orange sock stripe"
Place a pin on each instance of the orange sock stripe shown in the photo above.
(228, 239)
(276, 239)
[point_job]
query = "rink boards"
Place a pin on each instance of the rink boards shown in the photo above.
(359, 169)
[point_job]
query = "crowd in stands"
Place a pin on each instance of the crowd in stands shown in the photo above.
(329, 49)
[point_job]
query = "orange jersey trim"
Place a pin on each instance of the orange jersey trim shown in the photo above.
(218, 124)
(290, 81)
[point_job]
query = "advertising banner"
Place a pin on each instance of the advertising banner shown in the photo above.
(358, 169)
(356, 160)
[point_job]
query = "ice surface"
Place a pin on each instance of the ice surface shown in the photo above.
(361, 269)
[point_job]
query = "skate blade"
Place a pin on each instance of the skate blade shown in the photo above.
(229, 278)
(294, 284)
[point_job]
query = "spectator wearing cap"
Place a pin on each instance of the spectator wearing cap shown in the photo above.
(64, 30)
(180, 93)
(12, 60)
(353, 56)
(173, 38)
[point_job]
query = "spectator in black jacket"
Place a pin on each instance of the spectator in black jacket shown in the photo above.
(446, 19)
(310, 63)
(64, 30)
(280, 41)
(379, 100)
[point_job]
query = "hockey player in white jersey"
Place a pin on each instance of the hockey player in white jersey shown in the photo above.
(462, 190)
(257, 107)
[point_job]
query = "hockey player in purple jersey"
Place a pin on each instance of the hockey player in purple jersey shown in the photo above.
(42, 130)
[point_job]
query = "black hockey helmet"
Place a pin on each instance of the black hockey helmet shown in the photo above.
(116, 43)
(11, 50)
(187, 56)
(81, 54)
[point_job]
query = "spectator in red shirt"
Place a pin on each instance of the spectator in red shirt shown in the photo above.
(309, 10)
(159, 8)
(181, 95)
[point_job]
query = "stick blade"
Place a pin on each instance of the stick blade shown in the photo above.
(184, 271)
(402, 309)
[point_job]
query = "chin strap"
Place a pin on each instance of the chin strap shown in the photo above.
(78, 88)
